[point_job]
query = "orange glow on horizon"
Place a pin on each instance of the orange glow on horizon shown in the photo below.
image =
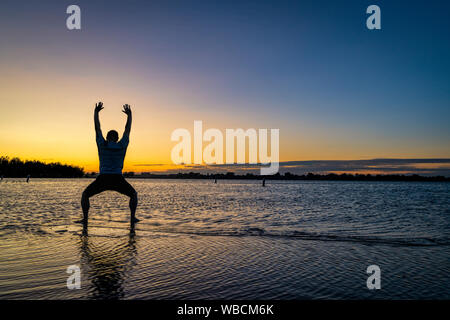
(48, 116)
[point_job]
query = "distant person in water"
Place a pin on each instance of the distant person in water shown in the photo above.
(111, 153)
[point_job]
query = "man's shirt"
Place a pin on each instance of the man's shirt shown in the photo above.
(111, 154)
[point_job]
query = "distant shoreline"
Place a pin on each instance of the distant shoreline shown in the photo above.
(344, 177)
(16, 168)
(382, 178)
(287, 177)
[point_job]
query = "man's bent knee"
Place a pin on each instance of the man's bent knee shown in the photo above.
(85, 195)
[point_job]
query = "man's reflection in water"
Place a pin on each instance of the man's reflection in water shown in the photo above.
(107, 262)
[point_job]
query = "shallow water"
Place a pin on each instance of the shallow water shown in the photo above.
(230, 240)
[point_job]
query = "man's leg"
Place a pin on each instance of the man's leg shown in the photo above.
(133, 206)
(127, 189)
(92, 189)
(85, 206)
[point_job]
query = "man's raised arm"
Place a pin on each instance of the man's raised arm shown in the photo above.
(98, 108)
(127, 111)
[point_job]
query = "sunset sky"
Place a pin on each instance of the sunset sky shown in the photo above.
(336, 90)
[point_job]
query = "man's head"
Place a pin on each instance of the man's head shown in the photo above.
(112, 136)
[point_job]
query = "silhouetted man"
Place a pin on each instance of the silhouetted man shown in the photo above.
(111, 153)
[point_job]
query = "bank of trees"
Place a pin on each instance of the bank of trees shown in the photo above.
(16, 168)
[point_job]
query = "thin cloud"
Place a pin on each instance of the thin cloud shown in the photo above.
(428, 167)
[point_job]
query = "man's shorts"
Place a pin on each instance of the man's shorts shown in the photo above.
(115, 182)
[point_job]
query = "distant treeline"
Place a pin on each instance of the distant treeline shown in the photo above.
(16, 168)
(290, 176)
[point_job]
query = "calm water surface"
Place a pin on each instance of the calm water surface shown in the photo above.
(231, 240)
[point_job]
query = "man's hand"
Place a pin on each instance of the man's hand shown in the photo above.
(126, 109)
(98, 107)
